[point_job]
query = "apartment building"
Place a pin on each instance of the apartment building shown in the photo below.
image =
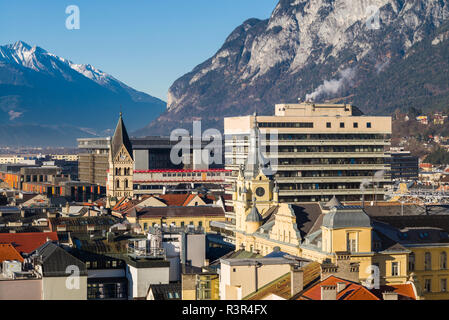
(316, 151)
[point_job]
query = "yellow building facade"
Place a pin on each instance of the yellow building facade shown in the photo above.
(263, 224)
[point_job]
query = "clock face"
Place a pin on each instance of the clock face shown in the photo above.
(260, 192)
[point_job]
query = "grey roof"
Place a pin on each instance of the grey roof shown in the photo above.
(306, 215)
(56, 260)
(333, 203)
(254, 215)
(121, 138)
(349, 216)
(198, 211)
(170, 291)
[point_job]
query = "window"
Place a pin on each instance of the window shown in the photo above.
(145, 226)
(234, 270)
(443, 261)
(377, 245)
(428, 285)
(443, 285)
(351, 242)
(411, 262)
(200, 224)
(395, 268)
(356, 125)
(342, 124)
(368, 125)
(328, 125)
(428, 261)
(118, 184)
(182, 223)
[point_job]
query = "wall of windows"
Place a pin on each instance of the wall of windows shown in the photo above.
(107, 291)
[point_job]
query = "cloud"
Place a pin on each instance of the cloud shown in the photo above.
(14, 115)
(333, 86)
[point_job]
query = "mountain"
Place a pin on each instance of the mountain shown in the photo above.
(42, 95)
(320, 50)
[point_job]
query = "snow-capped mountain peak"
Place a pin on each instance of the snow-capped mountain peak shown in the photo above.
(40, 60)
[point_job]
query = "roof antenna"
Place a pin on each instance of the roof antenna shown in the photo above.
(121, 111)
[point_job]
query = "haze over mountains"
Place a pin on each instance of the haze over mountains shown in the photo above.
(320, 49)
(48, 100)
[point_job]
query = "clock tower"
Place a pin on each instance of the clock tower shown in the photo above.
(254, 191)
(121, 165)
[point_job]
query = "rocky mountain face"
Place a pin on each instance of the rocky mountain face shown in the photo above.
(378, 54)
(43, 95)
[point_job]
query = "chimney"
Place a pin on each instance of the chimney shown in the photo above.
(341, 286)
(329, 292)
(296, 279)
(390, 296)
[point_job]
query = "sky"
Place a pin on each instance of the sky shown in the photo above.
(147, 44)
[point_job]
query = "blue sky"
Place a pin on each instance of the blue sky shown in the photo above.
(147, 44)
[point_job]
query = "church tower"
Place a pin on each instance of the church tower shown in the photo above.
(254, 191)
(121, 165)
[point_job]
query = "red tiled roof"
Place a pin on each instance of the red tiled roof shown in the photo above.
(352, 291)
(171, 200)
(425, 165)
(405, 291)
(27, 242)
(179, 200)
(8, 252)
(355, 291)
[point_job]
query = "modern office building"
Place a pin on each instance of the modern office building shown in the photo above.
(404, 166)
(315, 151)
(150, 154)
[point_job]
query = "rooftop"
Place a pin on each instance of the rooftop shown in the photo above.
(8, 252)
(27, 242)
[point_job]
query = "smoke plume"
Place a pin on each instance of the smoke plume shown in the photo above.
(333, 86)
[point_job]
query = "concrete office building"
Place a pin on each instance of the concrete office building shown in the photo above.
(318, 151)
(404, 166)
(149, 153)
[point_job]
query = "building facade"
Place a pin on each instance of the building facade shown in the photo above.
(121, 165)
(316, 151)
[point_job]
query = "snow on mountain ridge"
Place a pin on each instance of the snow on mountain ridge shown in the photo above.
(38, 59)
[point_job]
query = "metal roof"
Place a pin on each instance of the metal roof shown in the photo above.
(344, 217)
